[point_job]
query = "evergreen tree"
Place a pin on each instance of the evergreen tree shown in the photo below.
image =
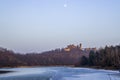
(91, 58)
(84, 60)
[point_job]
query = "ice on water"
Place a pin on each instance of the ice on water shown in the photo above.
(59, 73)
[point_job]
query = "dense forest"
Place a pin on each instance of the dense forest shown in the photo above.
(108, 57)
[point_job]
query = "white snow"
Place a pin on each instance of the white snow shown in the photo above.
(63, 73)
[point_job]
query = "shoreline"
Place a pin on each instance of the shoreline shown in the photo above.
(99, 67)
(92, 67)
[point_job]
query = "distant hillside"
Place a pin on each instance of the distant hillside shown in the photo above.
(108, 57)
(49, 58)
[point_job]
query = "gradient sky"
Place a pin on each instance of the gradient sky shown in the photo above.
(40, 25)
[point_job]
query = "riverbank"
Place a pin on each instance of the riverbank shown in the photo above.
(99, 67)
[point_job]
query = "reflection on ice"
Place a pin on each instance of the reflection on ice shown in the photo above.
(59, 73)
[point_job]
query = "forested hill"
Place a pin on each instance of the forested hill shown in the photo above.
(108, 57)
(50, 58)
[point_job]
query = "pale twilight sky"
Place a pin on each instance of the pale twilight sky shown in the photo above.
(40, 25)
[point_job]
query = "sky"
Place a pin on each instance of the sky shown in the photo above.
(41, 25)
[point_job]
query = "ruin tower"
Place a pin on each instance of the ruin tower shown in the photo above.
(80, 46)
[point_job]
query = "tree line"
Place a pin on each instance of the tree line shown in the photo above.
(108, 57)
(55, 57)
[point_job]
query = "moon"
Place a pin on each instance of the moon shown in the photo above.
(65, 5)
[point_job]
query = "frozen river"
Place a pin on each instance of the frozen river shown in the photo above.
(59, 73)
